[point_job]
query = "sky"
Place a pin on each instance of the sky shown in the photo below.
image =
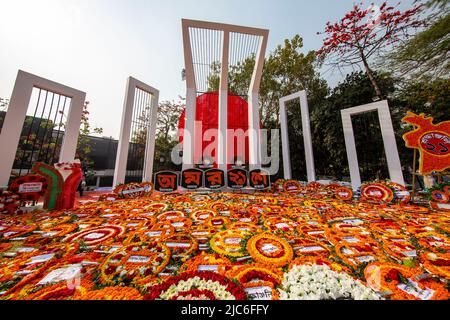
(94, 45)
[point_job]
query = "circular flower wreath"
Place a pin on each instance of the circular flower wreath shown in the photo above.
(97, 235)
(134, 190)
(135, 263)
(206, 261)
(269, 249)
(440, 196)
(230, 243)
(403, 283)
(292, 186)
(197, 286)
(377, 193)
(436, 263)
(344, 194)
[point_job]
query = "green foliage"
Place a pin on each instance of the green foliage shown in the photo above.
(431, 98)
(327, 132)
(85, 145)
(425, 56)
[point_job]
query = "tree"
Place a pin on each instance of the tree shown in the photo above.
(328, 135)
(85, 145)
(431, 98)
(169, 114)
(426, 55)
(361, 35)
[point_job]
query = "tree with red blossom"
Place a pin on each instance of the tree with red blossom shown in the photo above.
(363, 33)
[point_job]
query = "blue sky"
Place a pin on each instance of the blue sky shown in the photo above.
(94, 45)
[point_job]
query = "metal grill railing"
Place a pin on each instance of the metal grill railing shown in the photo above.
(43, 130)
(139, 129)
(370, 147)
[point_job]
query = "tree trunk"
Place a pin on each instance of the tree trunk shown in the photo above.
(371, 77)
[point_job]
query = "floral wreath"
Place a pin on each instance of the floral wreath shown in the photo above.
(97, 235)
(292, 186)
(268, 249)
(355, 255)
(135, 263)
(200, 216)
(204, 260)
(189, 245)
(401, 283)
(230, 243)
(436, 263)
(377, 193)
(344, 194)
(197, 285)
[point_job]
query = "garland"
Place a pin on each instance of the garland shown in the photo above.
(230, 243)
(97, 235)
(189, 284)
(403, 283)
(269, 249)
(135, 263)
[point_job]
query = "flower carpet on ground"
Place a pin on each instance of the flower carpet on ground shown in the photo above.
(191, 246)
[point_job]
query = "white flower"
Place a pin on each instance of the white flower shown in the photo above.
(322, 283)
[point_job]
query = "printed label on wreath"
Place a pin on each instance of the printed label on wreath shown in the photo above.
(200, 233)
(153, 233)
(310, 249)
(364, 259)
(316, 232)
(62, 274)
(269, 248)
(26, 249)
(178, 224)
(178, 245)
(138, 259)
(260, 293)
(30, 187)
(132, 191)
(411, 254)
(233, 240)
(354, 221)
(94, 236)
(113, 248)
(41, 258)
(444, 206)
(350, 239)
(208, 268)
(414, 289)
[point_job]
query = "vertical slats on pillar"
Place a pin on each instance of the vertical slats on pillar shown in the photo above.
(135, 151)
(198, 36)
(222, 148)
(43, 112)
(390, 143)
